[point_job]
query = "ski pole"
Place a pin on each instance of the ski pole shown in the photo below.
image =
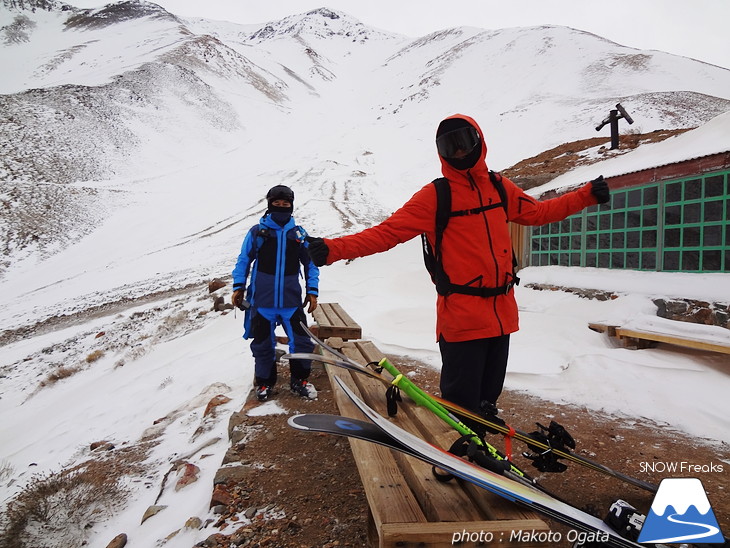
(424, 400)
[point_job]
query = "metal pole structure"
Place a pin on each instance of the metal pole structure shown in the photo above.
(613, 118)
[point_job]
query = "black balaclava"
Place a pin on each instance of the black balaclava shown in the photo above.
(453, 124)
(280, 215)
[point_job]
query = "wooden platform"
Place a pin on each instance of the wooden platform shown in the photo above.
(408, 506)
(333, 321)
(637, 338)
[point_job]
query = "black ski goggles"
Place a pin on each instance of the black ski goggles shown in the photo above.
(463, 140)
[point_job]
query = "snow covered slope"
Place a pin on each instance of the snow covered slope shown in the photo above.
(137, 147)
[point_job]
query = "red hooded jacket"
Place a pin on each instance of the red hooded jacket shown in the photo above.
(476, 249)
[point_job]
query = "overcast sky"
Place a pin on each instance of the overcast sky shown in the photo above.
(693, 28)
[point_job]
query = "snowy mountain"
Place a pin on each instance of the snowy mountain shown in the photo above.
(99, 94)
(120, 93)
(137, 147)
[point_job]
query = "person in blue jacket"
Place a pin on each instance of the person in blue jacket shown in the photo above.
(274, 254)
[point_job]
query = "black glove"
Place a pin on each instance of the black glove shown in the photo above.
(318, 251)
(599, 188)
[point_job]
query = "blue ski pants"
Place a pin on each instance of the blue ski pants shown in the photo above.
(263, 346)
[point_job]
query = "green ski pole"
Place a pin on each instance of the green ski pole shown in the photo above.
(424, 400)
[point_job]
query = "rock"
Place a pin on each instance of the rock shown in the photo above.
(235, 422)
(233, 474)
(694, 311)
(215, 284)
(194, 523)
(212, 541)
(250, 512)
(220, 399)
(220, 305)
(190, 475)
(120, 541)
(233, 454)
(220, 496)
(152, 511)
(237, 436)
(102, 445)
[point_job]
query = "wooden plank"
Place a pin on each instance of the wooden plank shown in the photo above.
(492, 506)
(333, 321)
(388, 495)
(321, 316)
(417, 419)
(672, 339)
(439, 534)
(435, 430)
(343, 317)
(600, 327)
(642, 339)
(439, 501)
(440, 510)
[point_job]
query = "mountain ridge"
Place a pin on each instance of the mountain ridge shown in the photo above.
(127, 93)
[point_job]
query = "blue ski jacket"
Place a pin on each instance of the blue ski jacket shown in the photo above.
(275, 256)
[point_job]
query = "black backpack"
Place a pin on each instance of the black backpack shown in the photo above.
(432, 255)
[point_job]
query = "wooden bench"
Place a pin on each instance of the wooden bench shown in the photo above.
(408, 507)
(333, 321)
(638, 338)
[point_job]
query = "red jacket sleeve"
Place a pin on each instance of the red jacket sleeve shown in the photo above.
(526, 210)
(414, 217)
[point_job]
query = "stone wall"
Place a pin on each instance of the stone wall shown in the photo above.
(689, 310)
(683, 310)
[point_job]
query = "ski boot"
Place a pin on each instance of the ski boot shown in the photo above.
(304, 389)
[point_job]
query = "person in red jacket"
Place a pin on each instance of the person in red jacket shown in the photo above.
(475, 318)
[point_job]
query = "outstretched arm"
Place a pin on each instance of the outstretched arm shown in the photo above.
(414, 217)
(526, 210)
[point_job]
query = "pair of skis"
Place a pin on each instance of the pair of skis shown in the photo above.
(450, 413)
(383, 432)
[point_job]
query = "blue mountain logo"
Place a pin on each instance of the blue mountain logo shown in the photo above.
(681, 512)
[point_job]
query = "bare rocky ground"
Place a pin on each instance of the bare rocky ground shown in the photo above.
(311, 491)
(544, 167)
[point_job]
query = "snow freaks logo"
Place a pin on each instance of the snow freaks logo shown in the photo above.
(681, 512)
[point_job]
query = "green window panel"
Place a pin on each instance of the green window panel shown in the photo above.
(680, 225)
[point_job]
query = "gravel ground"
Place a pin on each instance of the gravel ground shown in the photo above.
(311, 491)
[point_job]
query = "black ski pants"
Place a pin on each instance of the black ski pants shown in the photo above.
(473, 371)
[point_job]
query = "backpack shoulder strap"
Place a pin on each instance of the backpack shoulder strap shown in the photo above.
(259, 233)
(432, 254)
(496, 179)
(443, 211)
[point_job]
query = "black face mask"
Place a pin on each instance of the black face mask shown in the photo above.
(280, 215)
(467, 162)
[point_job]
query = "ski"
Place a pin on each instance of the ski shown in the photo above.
(541, 445)
(408, 443)
(471, 442)
(351, 428)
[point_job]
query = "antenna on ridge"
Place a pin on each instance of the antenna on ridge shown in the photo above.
(613, 117)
